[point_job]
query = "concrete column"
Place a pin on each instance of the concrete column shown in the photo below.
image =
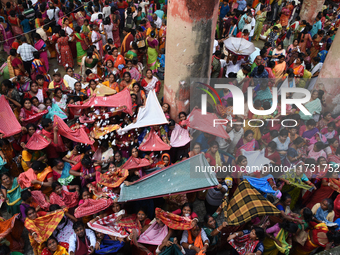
(189, 41)
(309, 10)
(328, 79)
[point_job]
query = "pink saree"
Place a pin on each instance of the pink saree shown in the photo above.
(41, 45)
(250, 146)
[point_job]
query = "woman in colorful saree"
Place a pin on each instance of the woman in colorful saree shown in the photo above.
(294, 182)
(318, 236)
(279, 238)
(75, 156)
(53, 247)
(139, 92)
(298, 68)
(62, 197)
(40, 45)
(14, 21)
(150, 82)
(107, 244)
(38, 67)
(85, 170)
(126, 82)
(15, 64)
(81, 44)
(152, 52)
(247, 143)
(7, 35)
(11, 192)
(195, 241)
(284, 206)
(247, 241)
(119, 160)
(89, 62)
(214, 158)
(326, 118)
(39, 176)
(314, 106)
(28, 112)
(41, 228)
(329, 185)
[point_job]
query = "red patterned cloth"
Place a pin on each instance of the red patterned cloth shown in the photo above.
(135, 163)
(68, 199)
(174, 221)
(91, 206)
(37, 142)
(154, 143)
(11, 126)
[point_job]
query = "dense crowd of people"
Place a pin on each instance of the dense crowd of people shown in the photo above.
(64, 158)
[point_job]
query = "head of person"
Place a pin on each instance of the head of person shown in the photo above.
(286, 199)
(242, 160)
(257, 233)
(58, 93)
(127, 77)
(213, 147)
(86, 161)
(38, 166)
(6, 179)
(27, 103)
(182, 116)
(318, 146)
(47, 124)
(79, 229)
(142, 214)
(85, 193)
(31, 213)
(249, 135)
(283, 134)
(209, 221)
(196, 148)
(327, 205)
(57, 188)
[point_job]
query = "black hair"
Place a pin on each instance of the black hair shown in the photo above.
(248, 132)
(310, 122)
(307, 214)
(298, 140)
(272, 145)
(189, 205)
(86, 160)
(5, 174)
(25, 194)
(241, 158)
(38, 166)
(55, 185)
(285, 196)
(330, 204)
(29, 209)
(259, 232)
(288, 226)
(283, 132)
(78, 224)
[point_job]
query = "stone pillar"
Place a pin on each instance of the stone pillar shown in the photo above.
(309, 10)
(328, 79)
(189, 41)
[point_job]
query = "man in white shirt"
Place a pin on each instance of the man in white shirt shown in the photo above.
(233, 65)
(94, 16)
(53, 12)
(82, 240)
(237, 133)
(25, 51)
(224, 143)
(95, 38)
(143, 4)
(107, 9)
(252, 30)
(157, 21)
(215, 45)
